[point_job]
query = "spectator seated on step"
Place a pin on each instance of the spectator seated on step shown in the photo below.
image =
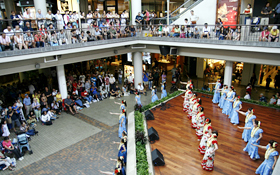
(7, 162)
(86, 96)
(95, 94)
(5, 42)
(25, 129)
(274, 35)
(206, 31)
(70, 105)
(272, 101)
(76, 98)
(247, 96)
(104, 93)
(262, 98)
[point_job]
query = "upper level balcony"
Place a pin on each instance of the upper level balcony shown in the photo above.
(76, 45)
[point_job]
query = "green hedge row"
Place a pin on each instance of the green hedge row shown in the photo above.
(144, 108)
(141, 155)
(242, 99)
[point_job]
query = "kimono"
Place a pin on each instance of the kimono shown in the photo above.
(208, 158)
(266, 167)
(217, 95)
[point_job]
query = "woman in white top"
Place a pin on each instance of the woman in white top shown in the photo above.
(20, 105)
(19, 41)
(89, 17)
(46, 118)
(59, 20)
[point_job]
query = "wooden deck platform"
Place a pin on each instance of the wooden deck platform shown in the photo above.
(178, 142)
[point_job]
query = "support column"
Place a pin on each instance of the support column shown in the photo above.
(247, 73)
(138, 68)
(200, 67)
(136, 7)
(61, 81)
(228, 73)
(42, 5)
(21, 76)
(9, 6)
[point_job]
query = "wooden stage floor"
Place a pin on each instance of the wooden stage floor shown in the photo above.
(178, 142)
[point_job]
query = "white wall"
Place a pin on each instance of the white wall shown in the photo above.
(206, 11)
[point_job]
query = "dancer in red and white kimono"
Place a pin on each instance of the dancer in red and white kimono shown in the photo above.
(208, 158)
(206, 134)
(194, 110)
(192, 101)
(188, 84)
(199, 118)
(187, 96)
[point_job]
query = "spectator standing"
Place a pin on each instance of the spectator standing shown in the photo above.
(248, 12)
(107, 83)
(15, 19)
(145, 79)
(49, 18)
(193, 18)
(277, 80)
(27, 15)
(147, 18)
(266, 11)
(151, 78)
(27, 104)
(59, 20)
(40, 18)
(253, 80)
(138, 21)
(66, 17)
(120, 76)
(277, 14)
(112, 81)
(156, 77)
(268, 80)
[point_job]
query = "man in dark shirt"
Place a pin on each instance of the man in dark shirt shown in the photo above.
(27, 27)
(156, 77)
(132, 31)
(138, 21)
(14, 116)
(70, 105)
(49, 96)
(90, 37)
(266, 11)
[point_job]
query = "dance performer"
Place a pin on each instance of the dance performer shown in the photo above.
(163, 90)
(224, 94)
(217, 94)
(194, 110)
(249, 120)
(228, 101)
(120, 164)
(154, 94)
(187, 96)
(116, 172)
(208, 158)
(268, 165)
(207, 130)
(138, 99)
(199, 119)
(256, 135)
(122, 105)
(122, 150)
(236, 106)
(122, 122)
(192, 101)
(188, 84)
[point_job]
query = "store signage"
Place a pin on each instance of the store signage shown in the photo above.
(228, 11)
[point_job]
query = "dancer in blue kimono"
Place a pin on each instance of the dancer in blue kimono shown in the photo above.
(217, 94)
(163, 90)
(228, 101)
(224, 94)
(138, 99)
(122, 122)
(120, 166)
(268, 165)
(249, 120)
(122, 105)
(236, 106)
(256, 135)
(154, 94)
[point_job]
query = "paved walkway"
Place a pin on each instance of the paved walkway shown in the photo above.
(80, 144)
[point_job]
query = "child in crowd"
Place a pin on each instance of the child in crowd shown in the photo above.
(247, 96)
(272, 100)
(104, 93)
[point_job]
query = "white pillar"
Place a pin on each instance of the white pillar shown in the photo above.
(136, 7)
(228, 73)
(247, 73)
(61, 81)
(138, 68)
(42, 5)
(200, 67)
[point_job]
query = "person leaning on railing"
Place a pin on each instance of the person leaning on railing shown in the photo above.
(5, 42)
(274, 34)
(19, 42)
(39, 39)
(61, 37)
(29, 39)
